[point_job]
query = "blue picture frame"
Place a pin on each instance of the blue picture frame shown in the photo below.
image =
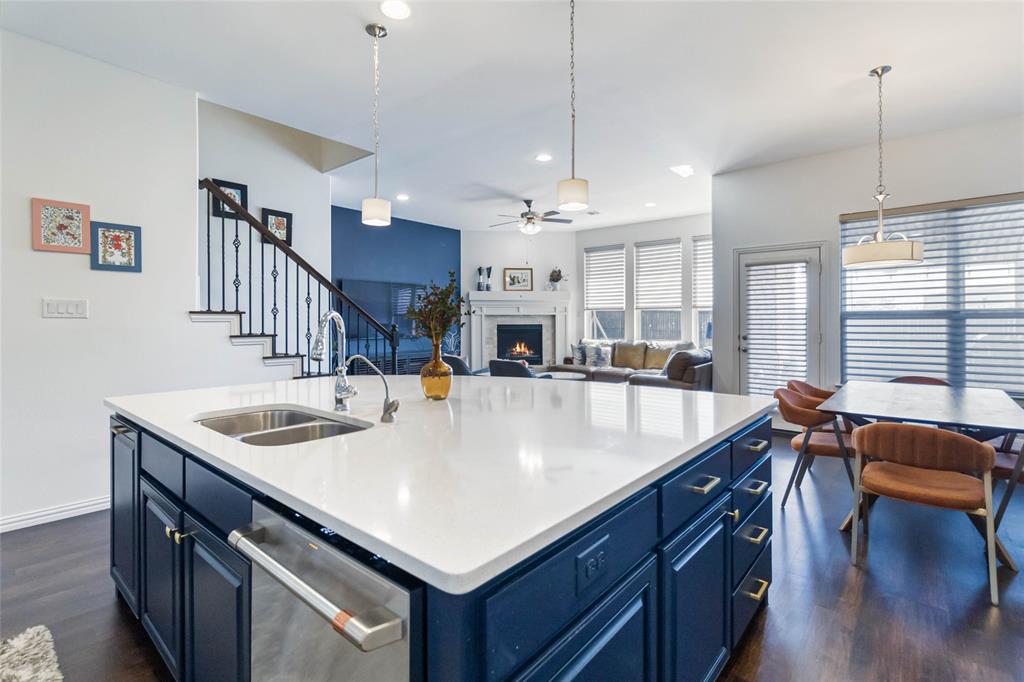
(100, 241)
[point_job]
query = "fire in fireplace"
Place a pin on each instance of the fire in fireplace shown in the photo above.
(521, 342)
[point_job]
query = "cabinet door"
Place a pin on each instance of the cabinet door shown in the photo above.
(160, 595)
(216, 582)
(695, 598)
(615, 640)
(124, 512)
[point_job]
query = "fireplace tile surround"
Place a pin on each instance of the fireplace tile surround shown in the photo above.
(550, 309)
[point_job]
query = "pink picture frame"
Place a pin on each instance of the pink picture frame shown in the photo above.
(60, 226)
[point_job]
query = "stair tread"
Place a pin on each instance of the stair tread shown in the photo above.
(216, 312)
(251, 336)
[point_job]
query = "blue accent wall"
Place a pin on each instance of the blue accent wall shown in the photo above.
(407, 251)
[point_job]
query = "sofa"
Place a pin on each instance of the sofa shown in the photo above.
(644, 363)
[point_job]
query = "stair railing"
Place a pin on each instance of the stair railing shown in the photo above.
(289, 297)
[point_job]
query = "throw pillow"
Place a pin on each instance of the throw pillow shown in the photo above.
(629, 354)
(599, 356)
(681, 360)
(657, 355)
(579, 354)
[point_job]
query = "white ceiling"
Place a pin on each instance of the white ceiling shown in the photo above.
(473, 90)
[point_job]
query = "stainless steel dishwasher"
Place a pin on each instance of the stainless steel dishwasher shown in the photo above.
(318, 613)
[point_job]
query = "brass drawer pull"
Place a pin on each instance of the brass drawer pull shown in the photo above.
(759, 488)
(759, 537)
(168, 530)
(707, 487)
(757, 445)
(759, 595)
(735, 514)
(118, 430)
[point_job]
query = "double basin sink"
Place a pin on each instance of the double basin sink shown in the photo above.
(282, 426)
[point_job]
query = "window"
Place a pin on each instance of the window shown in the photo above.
(958, 316)
(658, 280)
(702, 290)
(604, 291)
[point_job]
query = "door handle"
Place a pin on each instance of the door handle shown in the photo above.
(759, 537)
(368, 630)
(118, 430)
(759, 488)
(707, 487)
(743, 350)
(759, 595)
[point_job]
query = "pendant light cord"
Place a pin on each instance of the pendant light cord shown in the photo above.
(572, 79)
(881, 186)
(376, 121)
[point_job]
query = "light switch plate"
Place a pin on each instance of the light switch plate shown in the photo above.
(65, 307)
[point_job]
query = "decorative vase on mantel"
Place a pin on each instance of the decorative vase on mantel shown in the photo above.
(436, 375)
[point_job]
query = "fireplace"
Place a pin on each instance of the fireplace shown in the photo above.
(521, 342)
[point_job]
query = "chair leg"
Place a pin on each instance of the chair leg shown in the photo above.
(865, 504)
(797, 465)
(855, 529)
(990, 540)
(842, 450)
(808, 461)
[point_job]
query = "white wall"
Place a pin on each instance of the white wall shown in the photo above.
(281, 168)
(801, 200)
(685, 228)
(543, 252)
(79, 130)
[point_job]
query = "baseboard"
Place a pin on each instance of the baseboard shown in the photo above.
(61, 511)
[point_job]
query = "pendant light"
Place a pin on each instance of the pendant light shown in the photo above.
(376, 211)
(878, 250)
(573, 192)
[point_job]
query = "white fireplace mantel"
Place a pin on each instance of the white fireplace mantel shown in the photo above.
(526, 303)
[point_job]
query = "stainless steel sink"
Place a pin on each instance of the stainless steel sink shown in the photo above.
(301, 434)
(251, 422)
(282, 426)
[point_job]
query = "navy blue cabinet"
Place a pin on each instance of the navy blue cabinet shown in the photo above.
(160, 596)
(124, 512)
(615, 640)
(216, 603)
(695, 599)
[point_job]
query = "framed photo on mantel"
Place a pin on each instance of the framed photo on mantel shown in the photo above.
(518, 279)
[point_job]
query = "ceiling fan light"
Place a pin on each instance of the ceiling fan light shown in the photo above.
(887, 254)
(573, 194)
(530, 228)
(376, 212)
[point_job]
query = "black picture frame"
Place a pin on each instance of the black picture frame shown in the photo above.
(266, 214)
(219, 210)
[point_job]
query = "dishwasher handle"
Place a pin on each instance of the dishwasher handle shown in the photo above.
(369, 630)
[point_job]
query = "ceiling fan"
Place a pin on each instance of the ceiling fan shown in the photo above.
(529, 221)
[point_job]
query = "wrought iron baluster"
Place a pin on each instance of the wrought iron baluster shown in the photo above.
(237, 282)
(309, 334)
(274, 309)
(223, 274)
(286, 306)
(263, 288)
(298, 286)
(248, 288)
(209, 282)
(319, 363)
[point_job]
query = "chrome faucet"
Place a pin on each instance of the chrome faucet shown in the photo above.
(343, 391)
(390, 406)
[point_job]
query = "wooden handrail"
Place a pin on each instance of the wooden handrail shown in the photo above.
(211, 187)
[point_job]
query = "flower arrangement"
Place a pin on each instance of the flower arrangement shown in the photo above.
(556, 276)
(435, 312)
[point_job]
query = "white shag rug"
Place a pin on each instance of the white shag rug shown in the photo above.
(29, 657)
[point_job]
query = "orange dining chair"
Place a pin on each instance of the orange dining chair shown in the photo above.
(812, 391)
(925, 381)
(927, 466)
(801, 410)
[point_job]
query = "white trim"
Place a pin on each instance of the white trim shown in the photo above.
(61, 511)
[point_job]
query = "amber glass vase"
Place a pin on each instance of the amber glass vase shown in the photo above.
(436, 376)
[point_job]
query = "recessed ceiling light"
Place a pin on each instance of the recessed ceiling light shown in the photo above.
(402, 196)
(684, 171)
(395, 9)
(543, 157)
(650, 204)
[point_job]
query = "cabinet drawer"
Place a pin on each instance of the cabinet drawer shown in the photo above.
(751, 445)
(749, 491)
(686, 493)
(615, 640)
(531, 609)
(750, 537)
(223, 503)
(752, 592)
(165, 464)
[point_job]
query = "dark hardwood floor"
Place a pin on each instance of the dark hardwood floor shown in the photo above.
(916, 609)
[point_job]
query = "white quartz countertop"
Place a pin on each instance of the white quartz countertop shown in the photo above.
(456, 492)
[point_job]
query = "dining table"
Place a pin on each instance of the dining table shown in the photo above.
(982, 413)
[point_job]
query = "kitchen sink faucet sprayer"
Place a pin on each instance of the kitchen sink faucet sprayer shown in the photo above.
(390, 406)
(343, 391)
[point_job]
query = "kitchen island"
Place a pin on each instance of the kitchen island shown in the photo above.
(538, 528)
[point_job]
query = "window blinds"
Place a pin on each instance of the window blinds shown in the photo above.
(958, 316)
(604, 278)
(775, 335)
(702, 287)
(658, 275)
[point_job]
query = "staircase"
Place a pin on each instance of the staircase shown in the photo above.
(272, 297)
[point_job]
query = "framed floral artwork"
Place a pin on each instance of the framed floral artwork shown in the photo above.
(278, 222)
(240, 193)
(116, 247)
(60, 226)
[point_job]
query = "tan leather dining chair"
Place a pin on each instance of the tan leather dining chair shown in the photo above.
(815, 441)
(928, 466)
(812, 391)
(924, 381)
